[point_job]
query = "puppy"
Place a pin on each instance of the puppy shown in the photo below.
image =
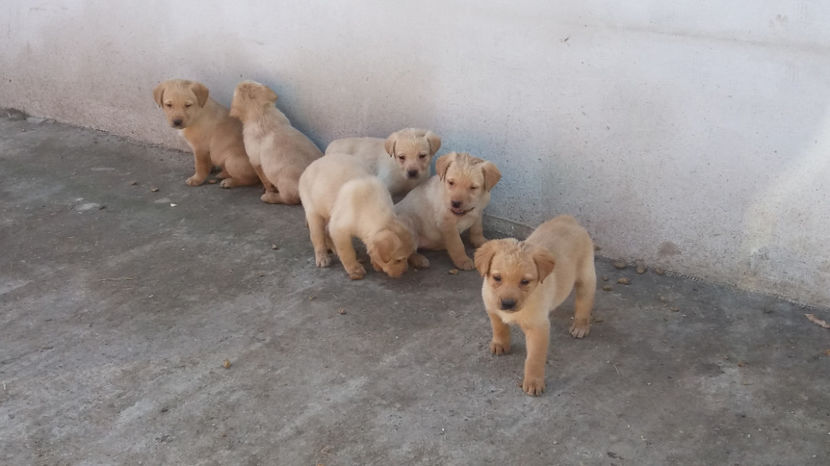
(214, 137)
(452, 201)
(401, 161)
(342, 200)
(278, 152)
(525, 280)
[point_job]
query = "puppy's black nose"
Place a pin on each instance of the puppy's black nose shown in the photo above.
(177, 122)
(508, 304)
(412, 173)
(456, 204)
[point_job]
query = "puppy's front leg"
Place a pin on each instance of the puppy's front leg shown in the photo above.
(501, 335)
(477, 234)
(202, 165)
(536, 337)
(319, 239)
(345, 251)
(455, 248)
(418, 261)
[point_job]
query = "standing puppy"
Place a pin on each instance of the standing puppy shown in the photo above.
(525, 280)
(401, 161)
(278, 152)
(214, 137)
(342, 200)
(451, 202)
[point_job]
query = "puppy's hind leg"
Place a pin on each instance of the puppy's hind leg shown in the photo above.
(241, 172)
(317, 233)
(585, 288)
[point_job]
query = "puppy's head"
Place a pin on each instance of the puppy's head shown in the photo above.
(390, 248)
(512, 270)
(413, 149)
(467, 181)
(181, 100)
(250, 98)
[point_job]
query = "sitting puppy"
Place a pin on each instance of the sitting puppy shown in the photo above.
(278, 152)
(452, 201)
(401, 161)
(342, 200)
(215, 137)
(525, 280)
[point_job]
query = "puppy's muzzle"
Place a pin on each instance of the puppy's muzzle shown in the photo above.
(455, 207)
(507, 304)
(177, 123)
(412, 173)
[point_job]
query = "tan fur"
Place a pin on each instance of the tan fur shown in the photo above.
(401, 161)
(525, 280)
(430, 213)
(278, 152)
(214, 137)
(342, 200)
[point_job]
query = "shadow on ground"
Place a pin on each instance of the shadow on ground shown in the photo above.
(120, 303)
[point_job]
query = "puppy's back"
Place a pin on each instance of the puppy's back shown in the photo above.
(565, 238)
(324, 177)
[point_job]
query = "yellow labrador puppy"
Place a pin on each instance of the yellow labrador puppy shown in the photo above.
(401, 161)
(214, 137)
(278, 152)
(342, 200)
(525, 280)
(452, 201)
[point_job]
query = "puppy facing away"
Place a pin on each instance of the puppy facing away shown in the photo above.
(342, 200)
(214, 137)
(401, 161)
(525, 280)
(278, 152)
(452, 201)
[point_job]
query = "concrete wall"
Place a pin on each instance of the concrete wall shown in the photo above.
(694, 135)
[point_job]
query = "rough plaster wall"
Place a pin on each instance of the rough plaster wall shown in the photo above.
(693, 135)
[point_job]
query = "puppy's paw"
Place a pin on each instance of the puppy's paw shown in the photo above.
(357, 272)
(419, 261)
(194, 180)
(227, 183)
(270, 198)
(499, 348)
(322, 260)
(580, 328)
(533, 386)
(466, 264)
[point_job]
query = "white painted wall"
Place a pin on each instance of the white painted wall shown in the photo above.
(694, 135)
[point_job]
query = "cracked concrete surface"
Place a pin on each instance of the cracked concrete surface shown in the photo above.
(119, 305)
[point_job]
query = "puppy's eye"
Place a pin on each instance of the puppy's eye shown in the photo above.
(168, 105)
(187, 105)
(402, 158)
(497, 278)
(422, 156)
(451, 182)
(525, 282)
(473, 188)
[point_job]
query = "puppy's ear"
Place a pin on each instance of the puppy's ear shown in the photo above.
(383, 244)
(484, 256)
(390, 143)
(544, 263)
(201, 93)
(443, 164)
(492, 175)
(267, 94)
(434, 142)
(158, 94)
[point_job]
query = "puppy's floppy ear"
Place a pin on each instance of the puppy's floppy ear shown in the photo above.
(443, 164)
(201, 92)
(383, 243)
(390, 143)
(544, 263)
(434, 142)
(158, 93)
(492, 175)
(266, 93)
(484, 256)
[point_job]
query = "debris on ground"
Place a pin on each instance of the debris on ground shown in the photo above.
(623, 281)
(620, 265)
(821, 323)
(659, 271)
(605, 279)
(226, 364)
(154, 189)
(453, 271)
(607, 288)
(274, 247)
(133, 183)
(341, 311)
(641, 269)
(674, 309)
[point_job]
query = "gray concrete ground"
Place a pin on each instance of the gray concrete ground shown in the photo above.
(118, 306)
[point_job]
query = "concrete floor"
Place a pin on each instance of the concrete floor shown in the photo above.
(118, 306)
